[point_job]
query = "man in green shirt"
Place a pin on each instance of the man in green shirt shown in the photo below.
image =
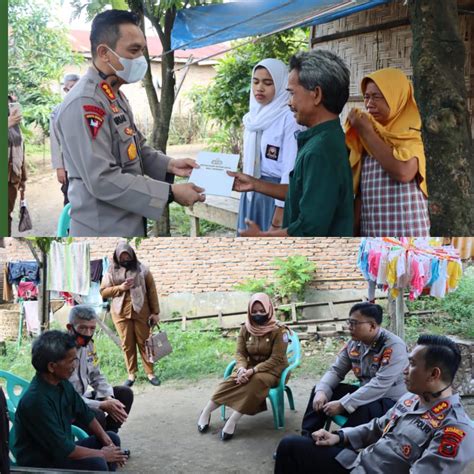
(319, 197)
(43, 419)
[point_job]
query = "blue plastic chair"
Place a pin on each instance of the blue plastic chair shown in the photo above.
(276, 394)
(64, 221)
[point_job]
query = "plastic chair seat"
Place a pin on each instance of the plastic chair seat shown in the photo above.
(276, 394)
(64, 221)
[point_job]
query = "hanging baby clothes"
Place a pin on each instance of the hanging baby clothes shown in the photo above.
(30, 309)
(69, 267)
(420, 265)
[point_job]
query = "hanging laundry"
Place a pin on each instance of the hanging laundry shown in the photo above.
(30, 309)
(69, 267)
(21, 269)
(419, 265)
(96, 270)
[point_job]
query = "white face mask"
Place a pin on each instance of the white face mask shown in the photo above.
(134, 70)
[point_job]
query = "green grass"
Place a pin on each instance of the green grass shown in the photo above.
(196, 354)
(181, 224)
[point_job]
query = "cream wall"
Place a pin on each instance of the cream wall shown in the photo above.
(196, 75)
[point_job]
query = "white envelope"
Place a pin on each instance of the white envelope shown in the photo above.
(212, 174)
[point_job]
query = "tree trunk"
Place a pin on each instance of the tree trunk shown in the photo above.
(438, 76)
(162, 108)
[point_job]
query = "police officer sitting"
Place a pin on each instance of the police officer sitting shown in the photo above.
(427, 431)
(376, 357)
(115, 179)
(111, 405)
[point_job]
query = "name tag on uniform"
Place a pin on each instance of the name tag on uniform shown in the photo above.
(120, 119)
(272, 152)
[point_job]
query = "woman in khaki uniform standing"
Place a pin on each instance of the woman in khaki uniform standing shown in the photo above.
(135, 307)
(261, 358)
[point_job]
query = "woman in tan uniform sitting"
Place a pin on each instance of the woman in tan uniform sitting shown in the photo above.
(135, 307)
(261, 358)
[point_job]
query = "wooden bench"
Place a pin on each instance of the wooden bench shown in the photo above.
(218, 209)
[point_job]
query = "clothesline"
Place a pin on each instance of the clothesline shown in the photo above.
(397, 264)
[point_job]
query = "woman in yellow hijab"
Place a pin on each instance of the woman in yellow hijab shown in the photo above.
(388, 159)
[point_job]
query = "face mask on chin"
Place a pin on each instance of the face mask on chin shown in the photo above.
(134, 70)
(80, 338)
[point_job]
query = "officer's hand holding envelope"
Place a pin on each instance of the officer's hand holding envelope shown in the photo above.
(187, 194)
(182, 167)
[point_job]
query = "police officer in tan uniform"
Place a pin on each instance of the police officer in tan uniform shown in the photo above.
(426, 432)
(57, 161)
(376, 357)
(115, 179)
(111, 405)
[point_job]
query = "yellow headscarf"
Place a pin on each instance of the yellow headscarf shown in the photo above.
(403, 130)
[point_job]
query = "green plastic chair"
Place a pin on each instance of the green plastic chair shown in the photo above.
(15, 388)
(339, 420)
(64, 221)
(276, 394)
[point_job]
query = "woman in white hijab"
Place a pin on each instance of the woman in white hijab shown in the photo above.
(269, 142)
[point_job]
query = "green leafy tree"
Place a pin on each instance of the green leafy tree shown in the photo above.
(38, 52)
(227, 100)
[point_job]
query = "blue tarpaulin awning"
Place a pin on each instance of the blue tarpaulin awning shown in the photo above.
(211, 24)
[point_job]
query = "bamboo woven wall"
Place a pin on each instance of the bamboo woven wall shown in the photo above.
(366, 52)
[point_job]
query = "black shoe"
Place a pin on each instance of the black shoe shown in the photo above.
(204, 428)
(226, 436)
(155, 381)
(128, 383)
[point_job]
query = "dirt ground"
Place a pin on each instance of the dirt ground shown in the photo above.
(162, 436)
(45, 200)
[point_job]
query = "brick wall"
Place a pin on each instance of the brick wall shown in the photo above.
(212, 264)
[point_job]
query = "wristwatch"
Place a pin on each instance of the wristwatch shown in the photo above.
(340, 433)
(170, 195)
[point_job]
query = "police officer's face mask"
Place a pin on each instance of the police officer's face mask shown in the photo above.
(134, 70)
(81, 339)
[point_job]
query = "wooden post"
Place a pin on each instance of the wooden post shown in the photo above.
(43, 295)
(194, 227)
(293, 312)
(400, 316)
(219, 318)
(183, 322)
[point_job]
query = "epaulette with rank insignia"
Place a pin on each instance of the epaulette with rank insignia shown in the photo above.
(108, 91)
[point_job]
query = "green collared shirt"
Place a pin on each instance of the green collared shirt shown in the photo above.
(320, 197)
(43, 423)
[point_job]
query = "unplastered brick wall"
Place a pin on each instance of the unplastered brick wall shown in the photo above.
(218, 264)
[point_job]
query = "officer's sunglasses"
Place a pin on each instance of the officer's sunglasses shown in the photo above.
(354, 323)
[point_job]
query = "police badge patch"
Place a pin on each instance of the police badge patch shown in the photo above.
(94, 122)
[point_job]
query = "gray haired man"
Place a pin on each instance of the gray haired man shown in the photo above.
(111, 405)
(57, 161)
(319, 196)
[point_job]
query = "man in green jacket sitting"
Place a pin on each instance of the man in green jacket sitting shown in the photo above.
(319, 196)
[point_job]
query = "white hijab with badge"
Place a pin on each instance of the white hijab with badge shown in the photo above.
(261, 117)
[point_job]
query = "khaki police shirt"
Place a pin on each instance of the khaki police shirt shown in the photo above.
(114, 177)
(87, 374)
(437, 438)
(379, 368)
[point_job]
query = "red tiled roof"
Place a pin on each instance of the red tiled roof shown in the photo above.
(80, 43)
